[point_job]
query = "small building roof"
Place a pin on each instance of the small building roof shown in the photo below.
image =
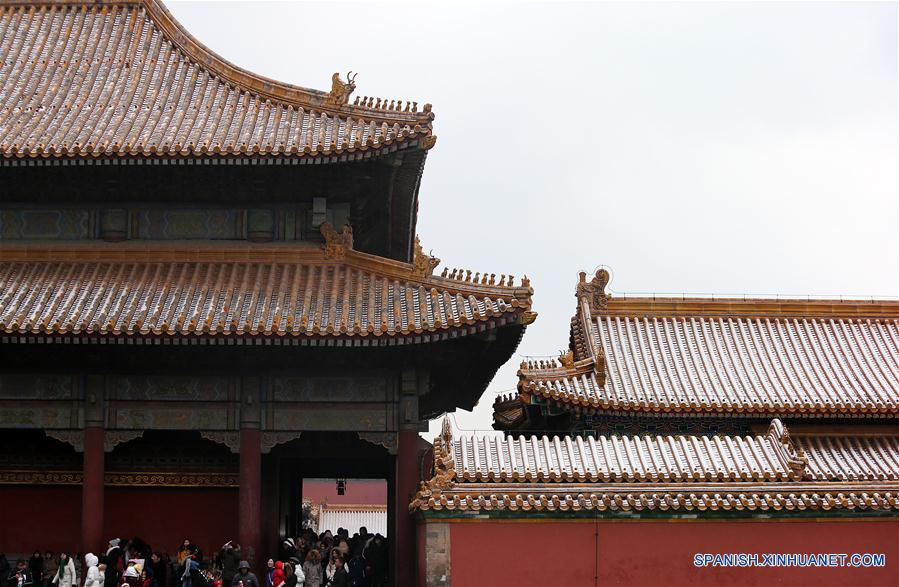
(121, 78)
(771, 471)
(290, 291)
(723, 357)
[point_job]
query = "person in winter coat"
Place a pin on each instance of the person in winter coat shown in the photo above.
(293, 576)
(244, 577)
(269, 573)
(341, 576)
(146, 578)
(331, 569)
(312, 568)
(65, 572)
(50, 567)
(229, 558)
(94, 576)
(158, 567)
(112, 560)
(36, 566)
(20, 576)
(278, 574)
(4, 569)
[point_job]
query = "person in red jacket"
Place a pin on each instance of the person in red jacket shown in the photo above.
(278, 574)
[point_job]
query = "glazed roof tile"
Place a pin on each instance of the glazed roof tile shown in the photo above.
(761, 357)
(850, 457)
(244, 290)
(633, 473)
(627, 458)
(114, 78)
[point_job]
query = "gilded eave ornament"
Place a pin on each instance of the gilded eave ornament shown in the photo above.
(341, 90)
(444, 465)
(423, 265)
(794, 457)
(594, 291)
(337, 243)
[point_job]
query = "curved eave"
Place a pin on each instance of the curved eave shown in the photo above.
(638, 497)
(177, 153)
(238, 294)
(305, 338)
(581, 405)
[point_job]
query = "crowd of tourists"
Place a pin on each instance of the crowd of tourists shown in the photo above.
(309, 560)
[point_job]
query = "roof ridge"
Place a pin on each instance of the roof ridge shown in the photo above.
(595, 299)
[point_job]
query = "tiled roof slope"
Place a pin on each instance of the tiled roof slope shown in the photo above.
(723, 357)
(765, 472)
(111, 78)
(293, 292)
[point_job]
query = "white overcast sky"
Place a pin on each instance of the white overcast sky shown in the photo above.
(711, 147)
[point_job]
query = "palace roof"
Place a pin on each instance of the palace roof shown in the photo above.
(725, 357)
(772, 471)
(297, 292)
(121, 78)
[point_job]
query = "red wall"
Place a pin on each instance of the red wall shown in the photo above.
(164, 517)
(39, 517)
(49, 517)
(649, 553)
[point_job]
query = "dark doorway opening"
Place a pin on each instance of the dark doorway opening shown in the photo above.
(309, 468)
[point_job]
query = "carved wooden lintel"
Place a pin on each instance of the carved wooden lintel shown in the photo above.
(272, 439)
(229, 439)
(385, 439)
(72, 437)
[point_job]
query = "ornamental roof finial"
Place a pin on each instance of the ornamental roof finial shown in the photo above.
(341, 90)
(337, 243)
(446, 432)
(594, 291)
(423, 264)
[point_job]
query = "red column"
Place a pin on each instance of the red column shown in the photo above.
(92, 490)
(249, 500)
(407, 479)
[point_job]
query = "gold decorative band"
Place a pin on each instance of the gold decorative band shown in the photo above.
(124, 479)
